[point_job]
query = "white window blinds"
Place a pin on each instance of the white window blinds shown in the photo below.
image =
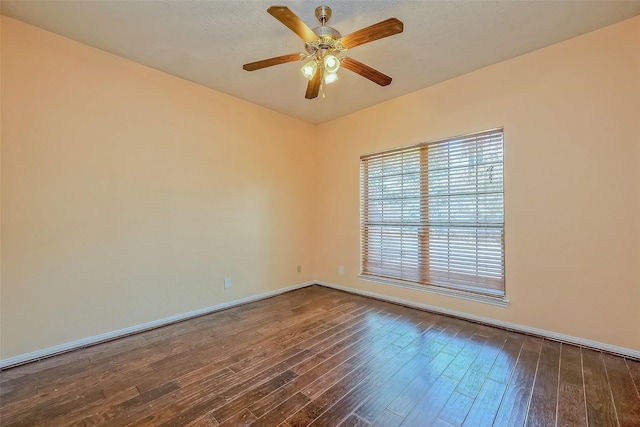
(433, 213)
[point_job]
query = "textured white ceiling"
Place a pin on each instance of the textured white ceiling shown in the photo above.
(208, 41)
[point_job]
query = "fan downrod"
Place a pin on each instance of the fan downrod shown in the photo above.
(327, 35)
(323, 13)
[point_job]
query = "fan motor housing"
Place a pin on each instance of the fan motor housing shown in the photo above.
(324, 31)
(327, 35)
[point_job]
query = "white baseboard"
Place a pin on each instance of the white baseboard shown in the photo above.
(635, 354)
(85, 342)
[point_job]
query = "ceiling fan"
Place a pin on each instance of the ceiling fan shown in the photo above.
(323, 44)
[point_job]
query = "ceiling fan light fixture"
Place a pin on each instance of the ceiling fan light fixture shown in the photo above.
(331, 63)
(309, 69)
(323, 44)
(330, 78)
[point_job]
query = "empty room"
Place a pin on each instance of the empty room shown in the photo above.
(341, 213)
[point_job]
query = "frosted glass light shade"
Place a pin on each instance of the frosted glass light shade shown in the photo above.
(331, 63)
(309, 69)
(330, 78)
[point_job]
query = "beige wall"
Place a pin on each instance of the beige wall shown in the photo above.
(129, 194)
(571, 117)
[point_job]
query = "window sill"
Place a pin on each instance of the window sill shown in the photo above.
(469, 296)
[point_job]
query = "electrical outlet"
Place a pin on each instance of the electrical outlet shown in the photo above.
(341, 270)
(227, 282)
(299, 268)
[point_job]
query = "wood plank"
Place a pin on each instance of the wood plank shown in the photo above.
(325, 382)
(625, 395)
(240, 419)
(225, 411)
(572, 409)
(460, 339)
(323, 357)
(458, 368)
(599, 401)
(388, 419)
(371, 409)
(341, 388)
(441, 423)
(544, 401)
(190, 406)
(282, 411)
(136, 407)
(456, 408)
(426, 411)
(50, 411)
(424, 379)
(376, 405)
(485, 407)
(205, 420)
(515, 403)
(634, 370)
(333, 356)
(264, 405)
(506, 360)
(333, 359)
(344, 336)
(373, 382)
(480, 368)
(354, 421)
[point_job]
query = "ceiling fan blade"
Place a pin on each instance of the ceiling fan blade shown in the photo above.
(314, 84)
(374, 32)
(366, 71)
(291, 20)
(282, 59)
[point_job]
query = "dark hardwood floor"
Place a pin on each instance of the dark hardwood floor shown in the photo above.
(321, 357)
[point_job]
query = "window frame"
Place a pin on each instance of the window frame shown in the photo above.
(476, 294)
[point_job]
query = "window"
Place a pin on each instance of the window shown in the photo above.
(432, 215)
